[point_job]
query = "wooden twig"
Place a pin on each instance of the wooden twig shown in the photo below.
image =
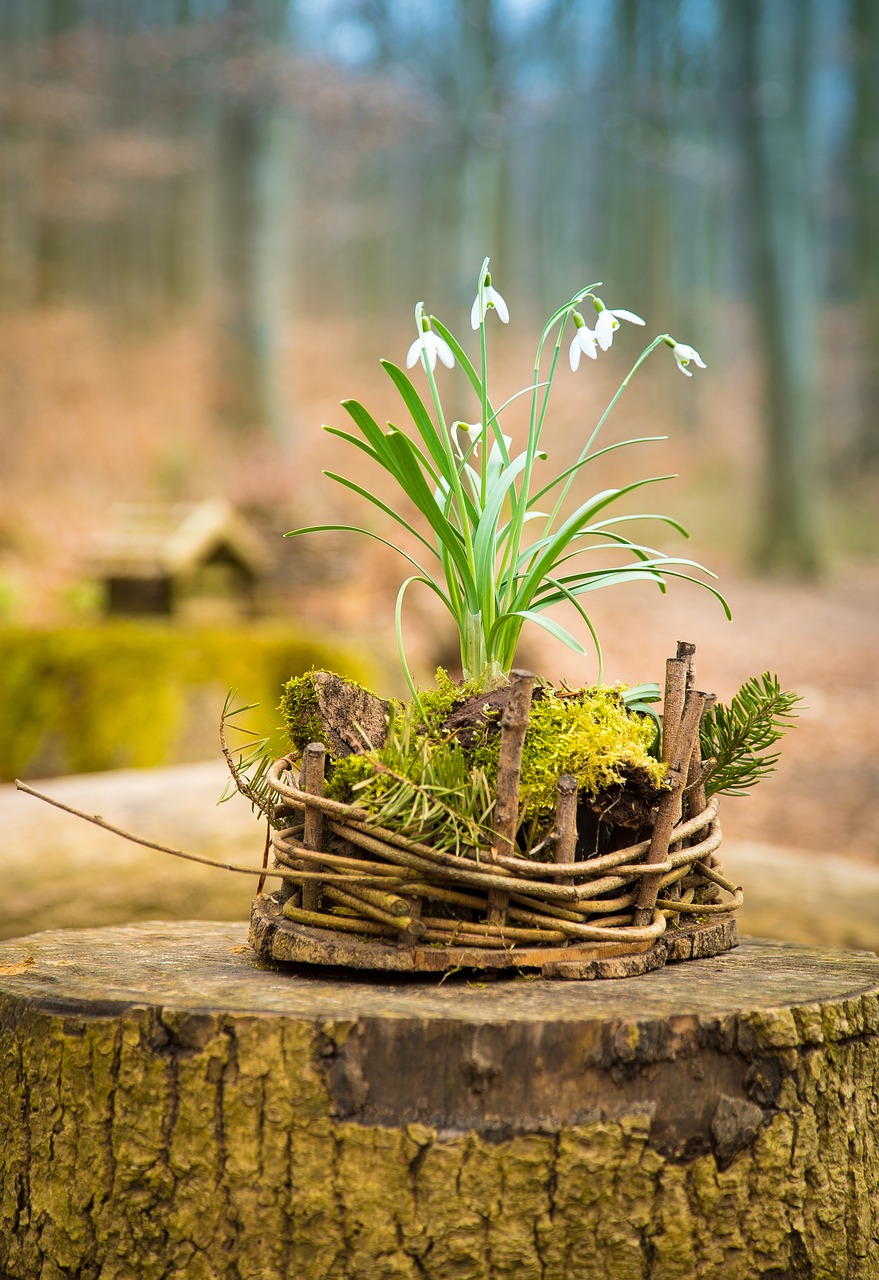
(321, 920)
(670, 805)
(356, 900)
(289, 852)
(440, 925)
(514, 726)
(261, 882)
(96, 820)
(686, 652)
(565, 848)
(313, 766)
(464, 874)
(673, 703)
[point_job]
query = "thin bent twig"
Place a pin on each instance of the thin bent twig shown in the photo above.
(98, 821)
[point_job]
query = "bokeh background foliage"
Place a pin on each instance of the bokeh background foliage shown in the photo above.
(216, 214)
(199, 196)
(80, 699)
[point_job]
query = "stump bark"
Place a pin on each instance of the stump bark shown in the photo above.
(169, 1109)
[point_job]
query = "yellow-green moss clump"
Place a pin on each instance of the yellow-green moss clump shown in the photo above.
(300, 712)
(591, 734)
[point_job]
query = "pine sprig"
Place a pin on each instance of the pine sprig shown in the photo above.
(426, 790)
(249, 766)
(738, 737)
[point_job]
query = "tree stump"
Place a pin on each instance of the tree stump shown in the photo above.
(171, 1109)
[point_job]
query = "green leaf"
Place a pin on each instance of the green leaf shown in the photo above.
(548, 624)
(419, 493)
(581, 462)
(650, 692)
(463, 360)
(486, 540)
(421, 418)
(568, 531)
(367, 533)
(358, 444)
(376, 502)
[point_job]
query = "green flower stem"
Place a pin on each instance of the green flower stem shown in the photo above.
(454, 474)
(601, 421)
(484, 407)
(535, 428)
(520, 506)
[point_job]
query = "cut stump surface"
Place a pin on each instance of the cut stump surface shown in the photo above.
(171, 1109)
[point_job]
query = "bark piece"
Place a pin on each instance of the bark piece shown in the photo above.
(352, 718)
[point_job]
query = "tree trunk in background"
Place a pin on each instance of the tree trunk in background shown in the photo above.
(254, 223)
(780, 266)
(480, 175)
(865, 208)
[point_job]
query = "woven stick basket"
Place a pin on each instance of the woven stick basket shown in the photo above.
(358, 895)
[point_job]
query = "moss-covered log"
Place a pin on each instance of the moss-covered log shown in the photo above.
(169, 1110)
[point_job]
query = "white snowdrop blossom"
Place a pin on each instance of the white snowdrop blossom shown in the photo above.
(609, 321)
(490, 299)
(584, 341)
(474, 431)
(683, 355)
(428, 346)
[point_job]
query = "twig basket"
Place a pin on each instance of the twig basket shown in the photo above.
(362, 896)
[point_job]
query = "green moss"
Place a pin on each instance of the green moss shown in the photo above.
(590, 734)
(300, 712)
(345, 775)
(439, 703)
(300, 709)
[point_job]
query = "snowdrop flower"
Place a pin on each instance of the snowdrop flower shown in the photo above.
(490, 298)
(683, 355)
(474, 431)
(584, 341)
(609, 321)
(429, 345)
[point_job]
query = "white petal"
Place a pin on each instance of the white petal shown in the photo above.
(604, 327)
(589, 343)
(444, 351)
(684, 354)
(500, 306)
(413, 353)
(575, 353)
(627, 315)
(474, 313)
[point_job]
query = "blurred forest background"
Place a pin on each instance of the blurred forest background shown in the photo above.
(216, 214)
(215, 217)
